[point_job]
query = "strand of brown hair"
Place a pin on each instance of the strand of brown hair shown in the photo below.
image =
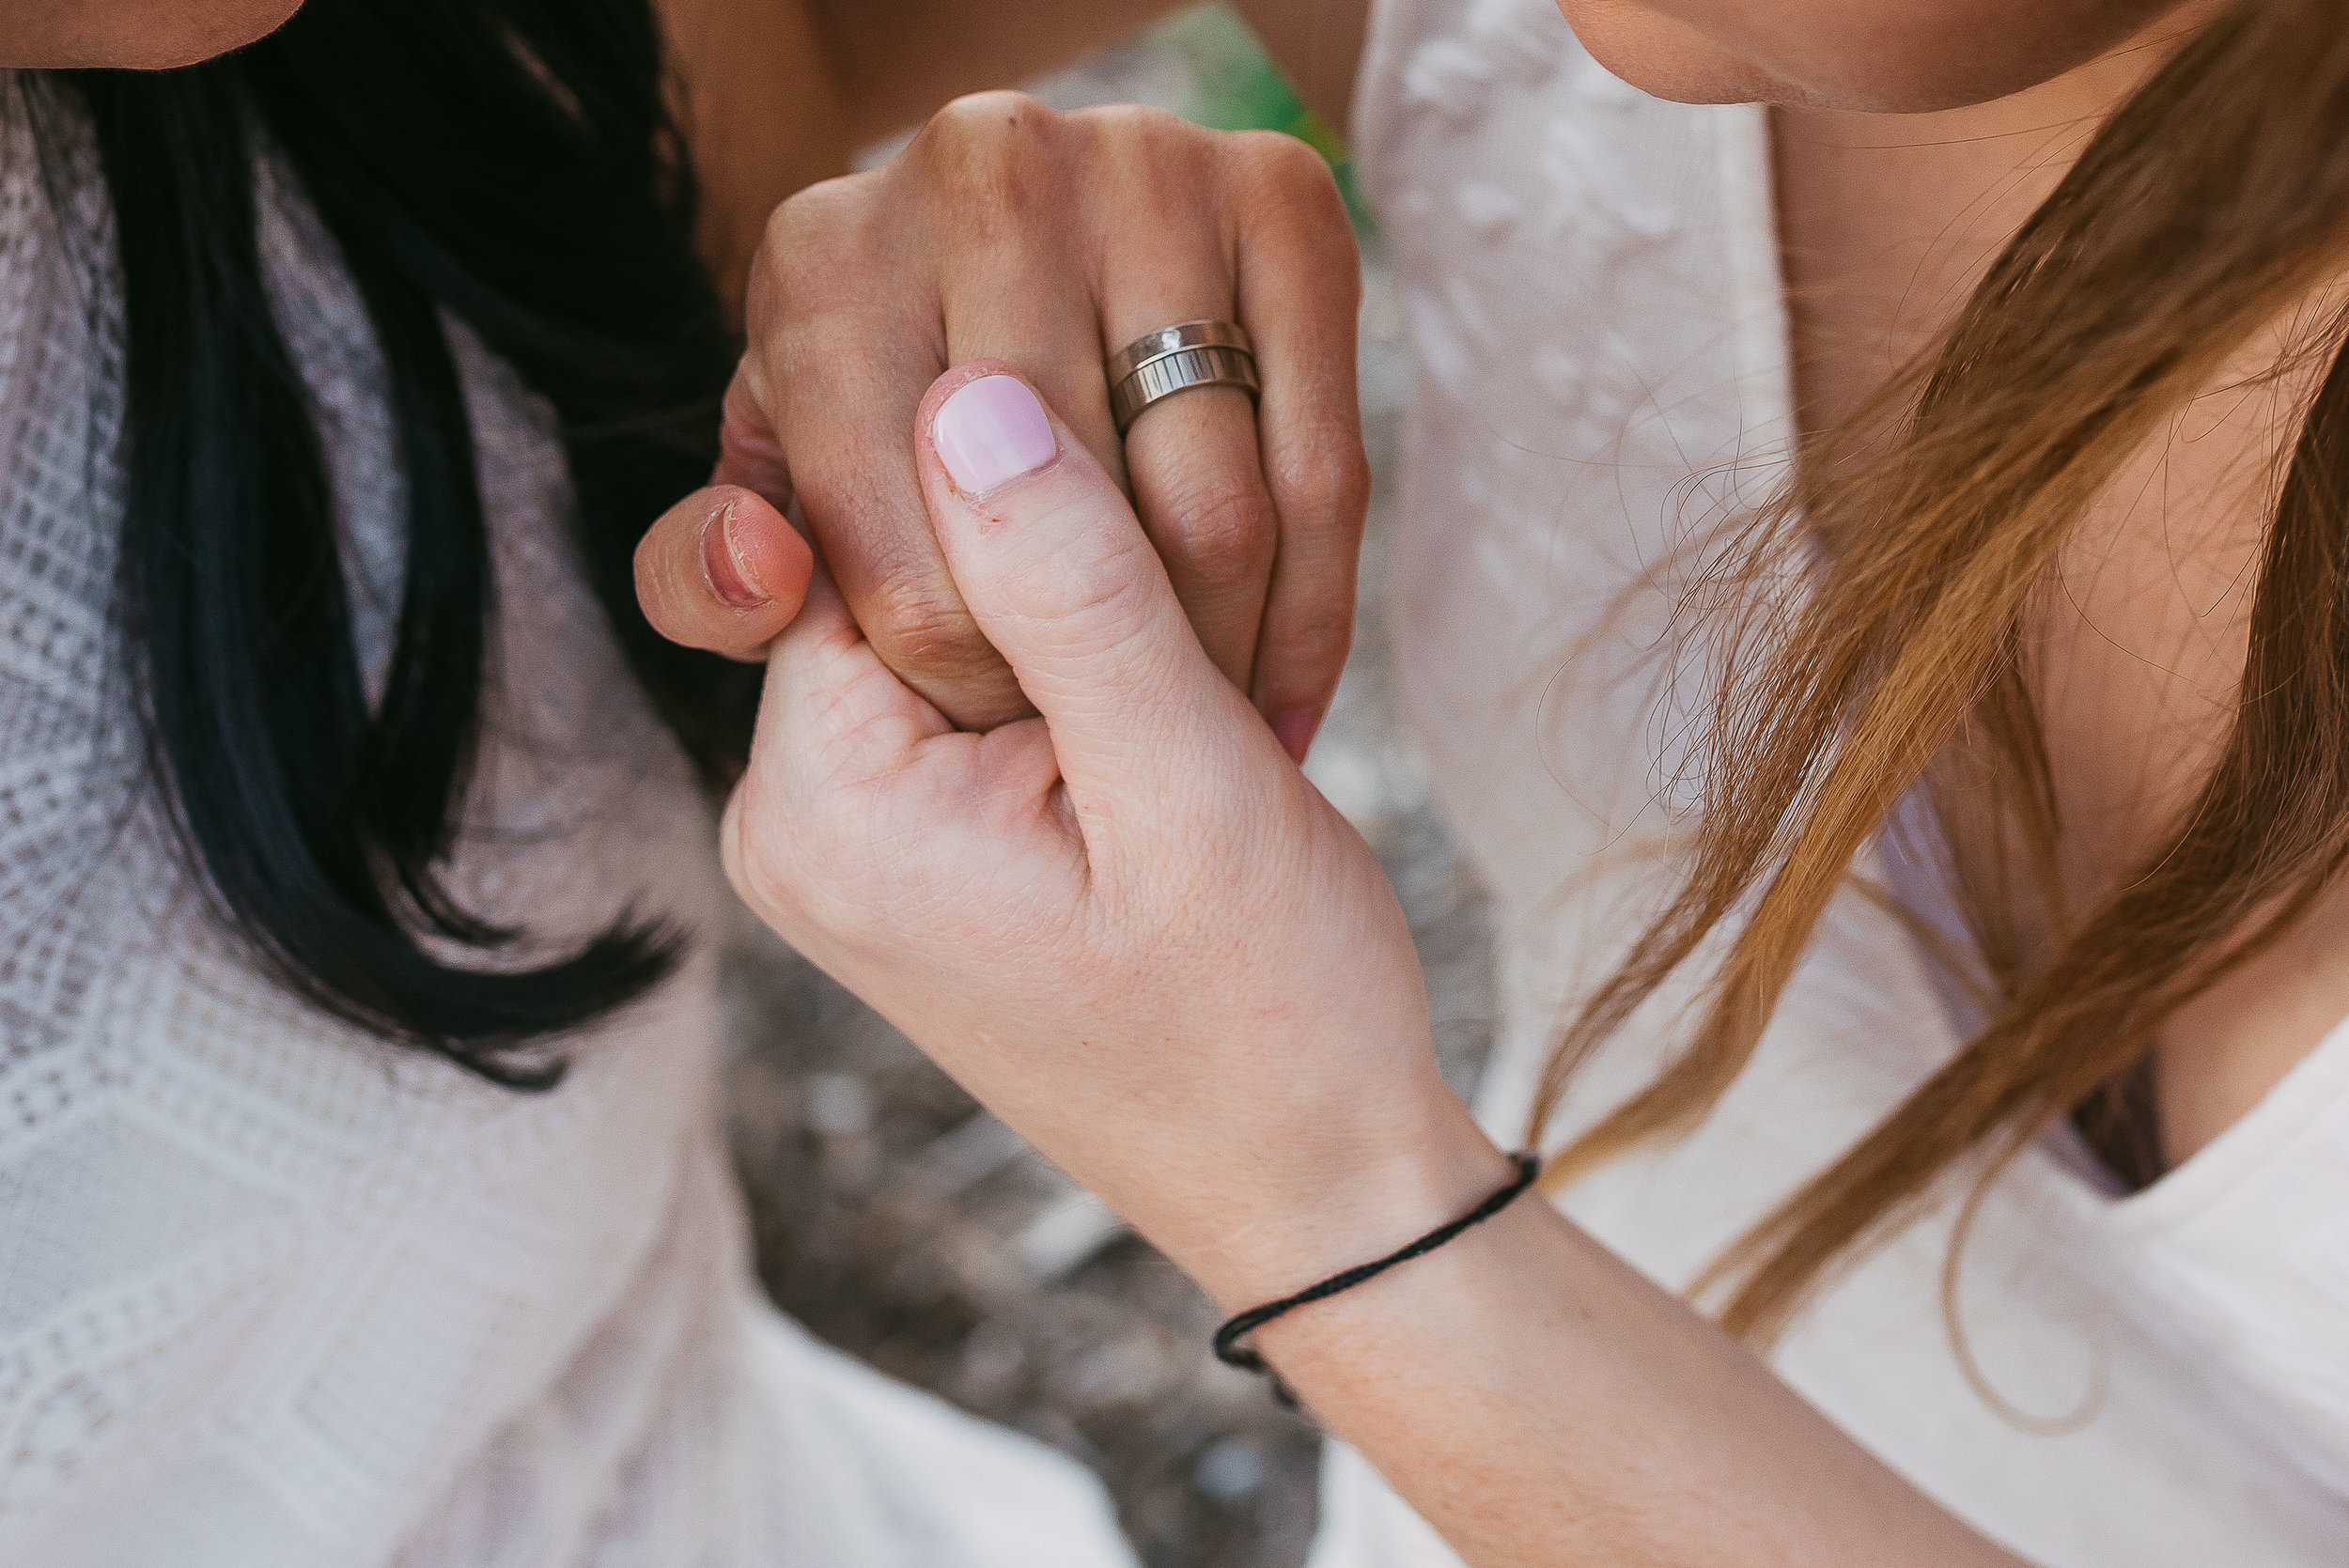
(2212, 201)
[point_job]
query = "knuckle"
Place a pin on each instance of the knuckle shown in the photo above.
(1314, 640)
(924, 633)
(1330, 479)
(1103, 623)
(810, 220)
(1150, 150)
(1224, 532)
(1291, 192)
(816, 247)
(1137, 125)
(1095, 602)
(990, 116)
(996, 159)
(1285, 170)
(1109, 594)
(1276, 155)
(986, 132)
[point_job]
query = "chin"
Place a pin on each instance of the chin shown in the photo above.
(1912, 59)
(147, 35)
(1665, 58)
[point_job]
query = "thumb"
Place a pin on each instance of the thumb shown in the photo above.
(722, 570)
(1046, 550)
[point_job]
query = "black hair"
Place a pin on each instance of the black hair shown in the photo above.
(512, 163)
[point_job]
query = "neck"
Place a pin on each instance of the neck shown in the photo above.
(1887, 221)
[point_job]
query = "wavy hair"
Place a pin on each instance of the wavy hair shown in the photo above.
(2213, 201)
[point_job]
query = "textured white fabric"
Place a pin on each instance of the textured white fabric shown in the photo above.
(1592, 296)
(273, 1295)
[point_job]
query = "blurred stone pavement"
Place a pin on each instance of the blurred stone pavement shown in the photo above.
(901, 1223)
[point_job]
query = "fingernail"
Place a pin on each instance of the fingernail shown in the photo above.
(723, 564)
(1295, 728)
(990, 432)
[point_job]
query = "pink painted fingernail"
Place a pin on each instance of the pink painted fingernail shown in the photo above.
(1294, 729)
(990, 432)
(722, 562)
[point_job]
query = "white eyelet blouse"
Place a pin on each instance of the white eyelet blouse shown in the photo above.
(276, 1295)
(1591, 284)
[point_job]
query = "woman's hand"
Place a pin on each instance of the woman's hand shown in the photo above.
(1131, 927)
(1134, 930)
(1049, 241)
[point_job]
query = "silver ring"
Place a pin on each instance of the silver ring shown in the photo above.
(1158, 364)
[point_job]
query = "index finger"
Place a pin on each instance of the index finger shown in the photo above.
(845, 367)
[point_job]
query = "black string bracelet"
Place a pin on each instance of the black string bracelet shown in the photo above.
(1233, 1354)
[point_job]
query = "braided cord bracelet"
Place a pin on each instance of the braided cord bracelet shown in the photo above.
(1232, 1353)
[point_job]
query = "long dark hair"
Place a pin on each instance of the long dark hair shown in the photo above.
(510, 162)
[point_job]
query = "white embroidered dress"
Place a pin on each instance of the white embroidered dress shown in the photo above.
(275, 1294)
(1592, 290)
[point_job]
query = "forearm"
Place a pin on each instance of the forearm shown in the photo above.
(1540, 1402)
(775, 95)
(897, 62)
(764, 114)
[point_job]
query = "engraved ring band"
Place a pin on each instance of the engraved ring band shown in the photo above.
(1175, 359)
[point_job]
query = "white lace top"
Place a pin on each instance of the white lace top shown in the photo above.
(275, 1294)
(1592, 288)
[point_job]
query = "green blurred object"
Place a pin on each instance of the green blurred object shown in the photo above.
(1239, 88)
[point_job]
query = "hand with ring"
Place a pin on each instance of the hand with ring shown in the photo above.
(1053, 243)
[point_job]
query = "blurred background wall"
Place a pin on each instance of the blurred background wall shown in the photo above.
(904, 1224)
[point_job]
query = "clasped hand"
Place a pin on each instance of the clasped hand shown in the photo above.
(1049, 240)
(1128, 925)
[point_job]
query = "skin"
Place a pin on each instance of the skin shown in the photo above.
(1008, 230)
(1130, 929)
(1134, 930)
(1129, 926)
(1888, 223)
(1853, 56)
(1910, 140)
(993, 236)
(1258, 509)
(138, 34)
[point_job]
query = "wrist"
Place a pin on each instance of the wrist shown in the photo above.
(1355, 1197)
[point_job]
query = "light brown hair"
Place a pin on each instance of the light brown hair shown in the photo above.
(2213, 201)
